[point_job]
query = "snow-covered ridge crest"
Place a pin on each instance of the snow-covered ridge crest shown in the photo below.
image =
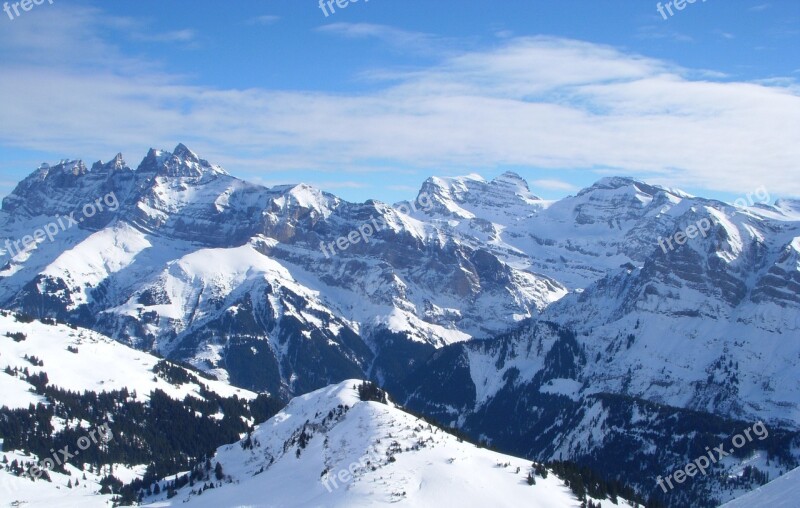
(332, 448)
(78, 359)
(782, 492)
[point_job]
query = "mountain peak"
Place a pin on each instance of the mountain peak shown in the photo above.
(510, 176)
(183, 152)
(64, 169)
(513, 182)
(622, 182)
(305, 196)
(112, 166)
(615, 182)
(182, 162)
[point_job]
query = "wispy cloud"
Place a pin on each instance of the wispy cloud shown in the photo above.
(760, 7)
(659, 32)
(263, 20)
(538, 102)
(724, 35)
(185, 35)
(400, 39)
(369, 30)
(552, 185)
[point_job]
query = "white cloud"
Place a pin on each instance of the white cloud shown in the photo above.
(185, 35)
(407, 41)
(661, 32)
(552, 185)
(539, 102)
(263, 20)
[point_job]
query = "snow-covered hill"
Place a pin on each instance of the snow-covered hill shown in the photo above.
(79, 359)
(80, 381)
(783, 492)
(329, 448)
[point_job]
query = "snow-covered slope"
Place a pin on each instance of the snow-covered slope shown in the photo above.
(81, 362)
(56, 494)
(329, 448)
(78, 360)
(539, 392)
(711, 325)
(783, 492)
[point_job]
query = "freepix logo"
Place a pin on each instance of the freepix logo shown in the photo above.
(704, 225)
(715, 455)
(366, 230)
(62, 223)
(678, 4)
(25, 5)
(331, 5)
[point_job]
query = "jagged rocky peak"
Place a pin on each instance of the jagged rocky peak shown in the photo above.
(65, 167)
(153, 161)
(114, 165)
(45, 183)
(181, 162)
(182, 152)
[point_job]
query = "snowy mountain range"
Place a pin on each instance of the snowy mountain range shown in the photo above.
(466, 302)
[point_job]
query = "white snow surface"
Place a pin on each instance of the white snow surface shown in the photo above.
(346, 463)
(783, 492)
(23, 492)
(101, 364)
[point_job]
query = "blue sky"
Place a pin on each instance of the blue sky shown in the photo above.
(374, 98)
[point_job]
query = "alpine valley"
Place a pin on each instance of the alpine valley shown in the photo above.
(243, 354)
